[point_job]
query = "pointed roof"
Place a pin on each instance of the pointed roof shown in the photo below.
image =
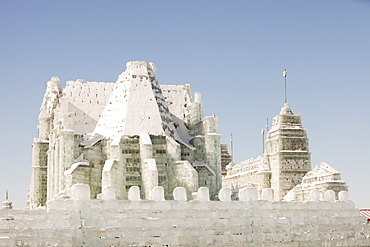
(136, 105)
(286, 119)
(323, 170)
(285, 110)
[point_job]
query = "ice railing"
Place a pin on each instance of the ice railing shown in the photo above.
(82, 192)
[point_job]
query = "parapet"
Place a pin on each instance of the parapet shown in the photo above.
(81, 192)
(81, 221)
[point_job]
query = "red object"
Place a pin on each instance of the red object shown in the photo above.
(365, 213)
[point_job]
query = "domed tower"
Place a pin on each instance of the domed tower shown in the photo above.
(288, 152)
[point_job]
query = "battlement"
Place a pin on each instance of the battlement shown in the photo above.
(248, 194)
(80, 221)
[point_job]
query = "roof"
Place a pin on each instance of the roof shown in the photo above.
(75, 165)
(285, 110)
(197, 164)
(90, 140)
(323, 171)
(365, 213)
(137, 105)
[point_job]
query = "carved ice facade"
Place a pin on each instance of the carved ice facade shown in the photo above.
(285, 166)
(134, 132)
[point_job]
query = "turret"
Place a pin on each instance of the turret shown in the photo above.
(52, 94)
(287, 149)
(195, 115)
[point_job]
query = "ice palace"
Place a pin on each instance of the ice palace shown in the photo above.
(135, 163)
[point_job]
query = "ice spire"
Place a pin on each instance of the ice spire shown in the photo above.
(136, 88)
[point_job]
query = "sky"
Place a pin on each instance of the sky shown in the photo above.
(233, 52)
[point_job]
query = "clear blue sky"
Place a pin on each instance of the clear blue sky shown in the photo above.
(233, 52)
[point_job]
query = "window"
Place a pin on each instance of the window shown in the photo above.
(132, 169)
(133, 161)
(130, 151)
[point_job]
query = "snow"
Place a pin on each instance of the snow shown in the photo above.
(91, 139)
(285, 110)
(323, 169)
(202, 164)
(145, 138)
(74, 167)
(108, 165)
(138, 88)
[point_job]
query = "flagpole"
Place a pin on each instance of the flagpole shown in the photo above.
(263, 140)
(232, 148)
(285, 73)
(267, 129)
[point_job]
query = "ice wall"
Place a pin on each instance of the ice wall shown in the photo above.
(85, 222)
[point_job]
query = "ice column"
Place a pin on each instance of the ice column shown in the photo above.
(179, 194)
(267, 194)
(80, 192)
(109, 193)
(343, 196)
(329, 196)
(225, 195)
(134, 193)
(248, 194)
(203, 194)
(314, 195)
(157, 194)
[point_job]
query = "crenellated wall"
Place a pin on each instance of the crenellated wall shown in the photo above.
(84, 222)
